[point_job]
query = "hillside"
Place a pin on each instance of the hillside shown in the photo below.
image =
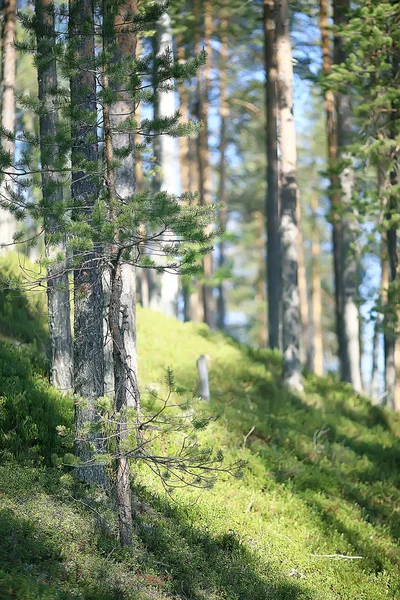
(321, 481)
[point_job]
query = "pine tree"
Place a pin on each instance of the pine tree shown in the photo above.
(109, 221)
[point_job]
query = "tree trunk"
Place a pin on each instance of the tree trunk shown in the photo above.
(288, 197)
(302, 276)
(391, 330)
(223, 214)
(119, 313)
(348, 271)
(272, 197)
(8, 225)
(58, 300)
(88, 291)
(165, 153)
(125, 187)
(261, 288)
(318, 353)
(184, 159)
(203, 152)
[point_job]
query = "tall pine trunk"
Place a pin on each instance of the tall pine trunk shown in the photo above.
(223, 215)
(8, 224)
(272, 197)
(88, 290)
(58, 300)
(203, 152)
(165, 153)
(348, 271)
(291, 326)
(316, 294)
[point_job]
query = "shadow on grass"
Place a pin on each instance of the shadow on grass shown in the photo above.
(30, 410)
(28, 565)
(213, 567)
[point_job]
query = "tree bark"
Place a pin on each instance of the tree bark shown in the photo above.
(348, 271)
(165, 152)
(88, 291)
(291, 326)
(272, 197)
(8, 225)
(58, 299)
(203, 152)
(318, 353)
(223, 214)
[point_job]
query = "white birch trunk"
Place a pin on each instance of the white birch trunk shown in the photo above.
(8, 224)
(166, 154)
(291, 326)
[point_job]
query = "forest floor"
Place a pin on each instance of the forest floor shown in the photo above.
(315, 516)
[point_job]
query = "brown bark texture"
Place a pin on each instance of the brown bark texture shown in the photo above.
(272, 196)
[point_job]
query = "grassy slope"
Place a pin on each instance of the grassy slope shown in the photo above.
(322, 478)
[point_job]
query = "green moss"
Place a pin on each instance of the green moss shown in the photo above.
(322, 479)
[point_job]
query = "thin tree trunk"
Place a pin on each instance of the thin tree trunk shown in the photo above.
(392, 390)
(261, 288)
(203, 153)
(375, 391)
(334, 180)
(291, 326)
(302, 277)
(58, 300)
(223, 214)
(143, 275)
(119, 313)
(318, 354)
(184, 159)
(125, 187)
(348, 283)
(8, 225)
(88, 291)
(272, 197)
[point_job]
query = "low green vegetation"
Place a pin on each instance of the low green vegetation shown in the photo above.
(321, 484)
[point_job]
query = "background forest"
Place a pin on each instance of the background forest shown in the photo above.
(232, 166)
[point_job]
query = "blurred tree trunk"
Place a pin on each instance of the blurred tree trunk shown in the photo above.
(8, 224)
(223, 215)
(291, 326)
(165, 153)
(316, 298)
(184, 166)
(348, 273)
(260, 284)
(88, 290)
(392, 352)
(143, 274)
(203, 153)
(58, 300)
(302, 276)
(272, 197)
